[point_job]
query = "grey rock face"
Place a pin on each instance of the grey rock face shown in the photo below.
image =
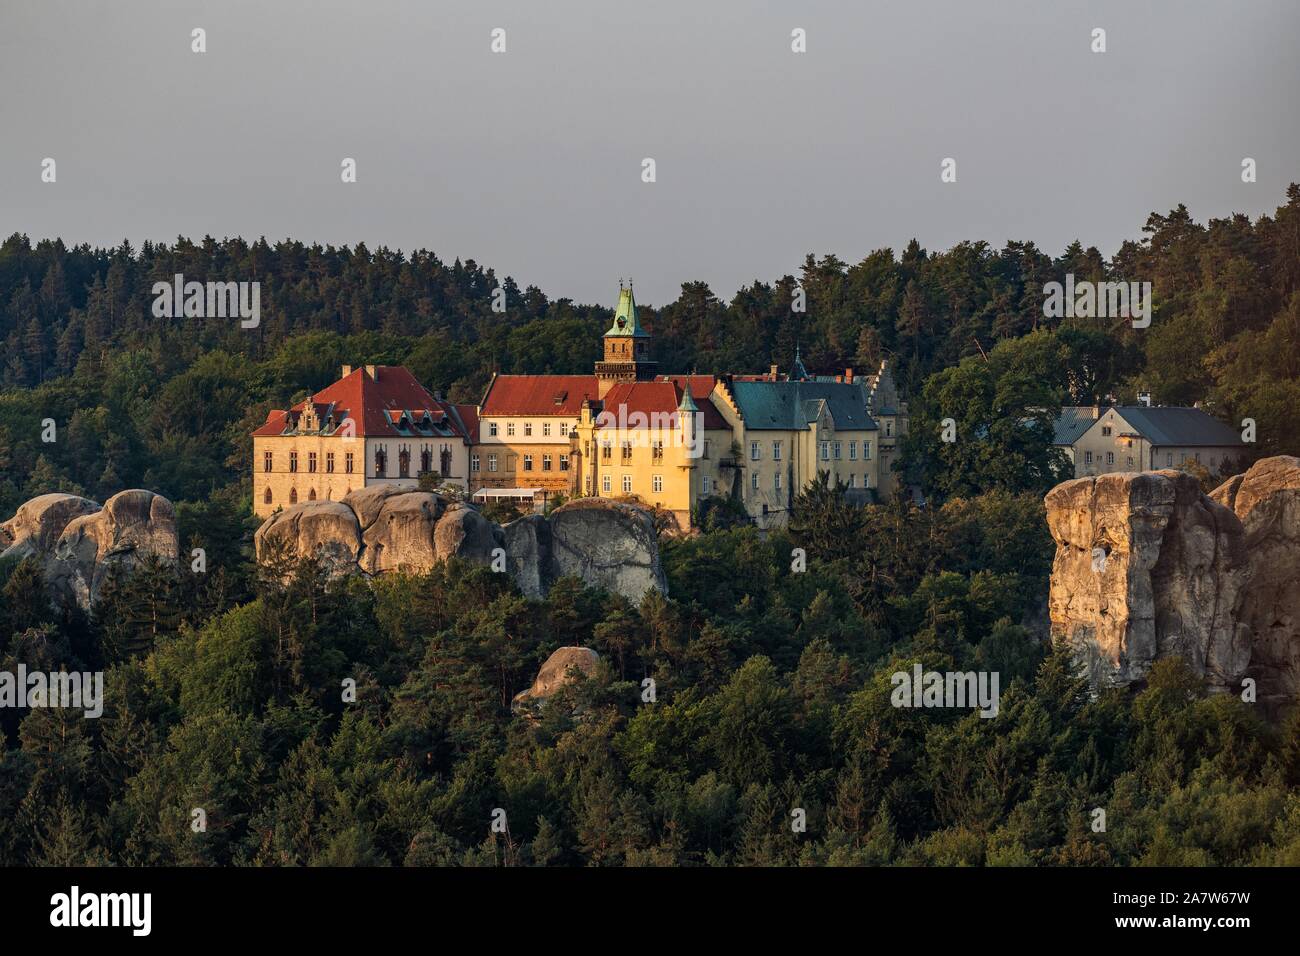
(1267, 501)
(605, 544)
(1147, 567)
(35, 528)
(560, 670)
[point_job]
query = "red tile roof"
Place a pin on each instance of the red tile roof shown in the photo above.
(374, 404)
(469, 418)
(539, 394)
(662, 397)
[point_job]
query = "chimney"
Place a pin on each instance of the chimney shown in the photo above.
(347, 370)
(772, 374)
(373, 371)
(1096, 411)
(1144, 398)
(848, 375)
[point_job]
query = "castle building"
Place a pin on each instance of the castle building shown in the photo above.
(375, 425)
(624, 432)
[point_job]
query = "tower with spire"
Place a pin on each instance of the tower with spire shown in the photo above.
(627, 346)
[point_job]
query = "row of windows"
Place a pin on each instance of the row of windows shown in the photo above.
(562, 429)
(475, 463)
(656, 484)
(625, 451)
(269, 499)
(268, 462)
(1169, 459)
(829, 450)
(756, 481)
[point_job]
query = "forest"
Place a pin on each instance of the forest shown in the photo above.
(224, 689)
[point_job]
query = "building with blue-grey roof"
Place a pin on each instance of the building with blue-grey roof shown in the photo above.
(1104, 439)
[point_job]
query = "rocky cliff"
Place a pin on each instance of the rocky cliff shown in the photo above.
(80, 543)
(386, 528)
(1147, 566)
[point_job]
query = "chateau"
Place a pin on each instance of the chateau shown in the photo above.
(624, 432)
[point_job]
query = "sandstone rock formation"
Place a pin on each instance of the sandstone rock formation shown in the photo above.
(34, 529)
(1147, 567)
(1267, 501)
(81, 544)
(380, 529)
(560, 670)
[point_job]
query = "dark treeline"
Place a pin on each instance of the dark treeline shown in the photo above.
(168, 403)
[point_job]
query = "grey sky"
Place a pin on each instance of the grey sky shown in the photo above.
(530, 162)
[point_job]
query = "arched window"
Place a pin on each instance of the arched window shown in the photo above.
(293, 496)
(311, 495)
(445, 463)
(426, 459)
(381, 462)
(404, 463)
(267, 497)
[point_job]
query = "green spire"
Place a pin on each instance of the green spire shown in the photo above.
(625, 320)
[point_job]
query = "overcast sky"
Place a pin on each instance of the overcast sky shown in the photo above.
(530, 161)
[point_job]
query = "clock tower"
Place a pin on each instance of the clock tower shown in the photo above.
(627, 347)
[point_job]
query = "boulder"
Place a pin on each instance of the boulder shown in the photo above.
(132, 526)
(561, 669)
(400, 536)
(327, 530)
(369, 501)
(607, 544)
(463, 532)
(1148, 567)
(1266, 499)
(35, 528)
(528, 553)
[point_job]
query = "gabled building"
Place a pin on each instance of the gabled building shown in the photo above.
(375, 425)
(1104, 439)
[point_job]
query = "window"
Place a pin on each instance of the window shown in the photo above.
(606, 450)
(546, 429)
(604, 483)
(704, 487)
(564, 428)
(753, 481)
(776, 451)
(627, 452)
(528, 428)
(293, 496)
(657, 452)
(853, 451)
(851, 477)
(267, 497)
(474, 462)
(753, 451)
(627, 484)
(266, 461)
(404, 462)
(426, 458)
(1130, 461)
(329, 463)
(546, 463)
(889, 428)
(776, 482)
(1198, 457)
(311, 462)
(707, 443)
(1087, 458)
(837, 455)
(311, 495)
(510, 429)
(347, 462)
(492, 462)
(657, 483)
(1169, 459)
(826, 451)
(1110, 458)
(564, 463)
(528, 462)
(293, 461)
(492, 429)
(866, 451)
